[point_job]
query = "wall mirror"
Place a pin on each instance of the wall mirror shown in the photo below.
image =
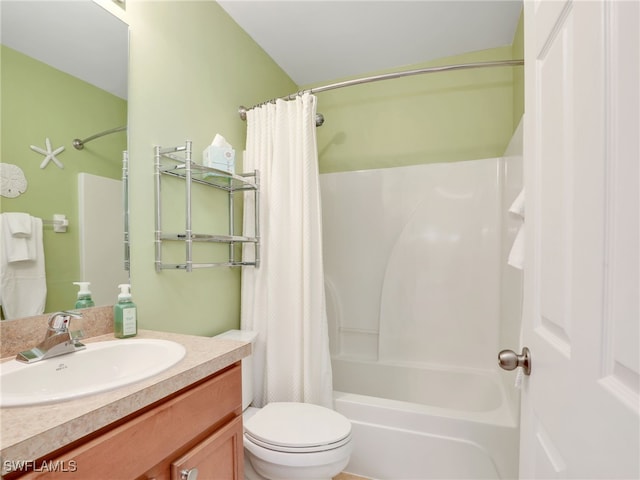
(64, 78)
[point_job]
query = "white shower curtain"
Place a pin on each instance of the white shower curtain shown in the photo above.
(283, 300)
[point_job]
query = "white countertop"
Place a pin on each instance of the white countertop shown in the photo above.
(28, 433)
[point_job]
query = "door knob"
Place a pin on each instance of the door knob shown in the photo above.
(191, 474)
(510, 360)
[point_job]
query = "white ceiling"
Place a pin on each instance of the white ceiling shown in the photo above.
(78, 37)
(313, 41)
(318, 41)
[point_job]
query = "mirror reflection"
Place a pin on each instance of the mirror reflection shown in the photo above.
(64, 67)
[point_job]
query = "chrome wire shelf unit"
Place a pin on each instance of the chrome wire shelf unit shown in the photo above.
(177, 162)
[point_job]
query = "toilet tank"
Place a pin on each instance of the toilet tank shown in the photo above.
(246, 362)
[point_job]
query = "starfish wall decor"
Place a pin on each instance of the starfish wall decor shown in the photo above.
(49, 155)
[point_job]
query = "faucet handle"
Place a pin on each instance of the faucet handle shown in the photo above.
(59, 321)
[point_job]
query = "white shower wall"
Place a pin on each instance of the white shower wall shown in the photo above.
(414, 262)
(101, 230)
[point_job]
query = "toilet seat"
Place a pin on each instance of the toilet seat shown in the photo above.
(293, 449)
(292, 427)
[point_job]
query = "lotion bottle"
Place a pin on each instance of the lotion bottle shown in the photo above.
(84, 296)
(125, 314)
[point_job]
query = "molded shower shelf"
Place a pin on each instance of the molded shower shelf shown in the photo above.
(191, 172)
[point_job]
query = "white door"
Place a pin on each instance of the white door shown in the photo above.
(580, 407)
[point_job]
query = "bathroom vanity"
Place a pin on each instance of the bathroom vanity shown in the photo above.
(184, 419)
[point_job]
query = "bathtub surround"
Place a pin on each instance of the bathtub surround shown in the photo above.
(284, 299)
(396, 241)
(413, 341)
(100, 228)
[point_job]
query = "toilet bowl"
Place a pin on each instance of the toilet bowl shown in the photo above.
(290, 440)
(296, 441)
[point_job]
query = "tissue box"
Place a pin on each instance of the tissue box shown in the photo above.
(221, 158)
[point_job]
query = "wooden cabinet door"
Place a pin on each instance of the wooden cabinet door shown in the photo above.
(218, 457)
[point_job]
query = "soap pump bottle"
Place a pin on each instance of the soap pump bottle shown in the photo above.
(125, 314)
(84, 296)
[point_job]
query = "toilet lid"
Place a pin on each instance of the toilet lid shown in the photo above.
(288, 426)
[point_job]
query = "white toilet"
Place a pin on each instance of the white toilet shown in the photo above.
(290, 440)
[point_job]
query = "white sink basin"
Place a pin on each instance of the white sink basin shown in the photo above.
(100, 367)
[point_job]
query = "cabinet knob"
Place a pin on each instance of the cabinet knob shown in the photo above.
(191, 474)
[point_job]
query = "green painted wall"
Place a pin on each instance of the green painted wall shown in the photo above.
(441, 117)
(40, 102)
(191, 67)
(518, 73)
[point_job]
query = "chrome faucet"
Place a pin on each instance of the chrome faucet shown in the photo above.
(58, 339)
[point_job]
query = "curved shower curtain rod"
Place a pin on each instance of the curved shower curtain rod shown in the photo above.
(242, 111)
(79, 144)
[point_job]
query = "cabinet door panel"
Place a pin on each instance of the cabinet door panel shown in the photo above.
(218, 457)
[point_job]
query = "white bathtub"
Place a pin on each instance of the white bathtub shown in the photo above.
(426, 423)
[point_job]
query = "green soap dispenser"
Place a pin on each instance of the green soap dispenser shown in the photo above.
(84, 296)
(125, 321)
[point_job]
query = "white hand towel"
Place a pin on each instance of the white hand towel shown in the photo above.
(17, 248)
(19, 224)
(517, 207)
(516, 255)
(23, 286)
